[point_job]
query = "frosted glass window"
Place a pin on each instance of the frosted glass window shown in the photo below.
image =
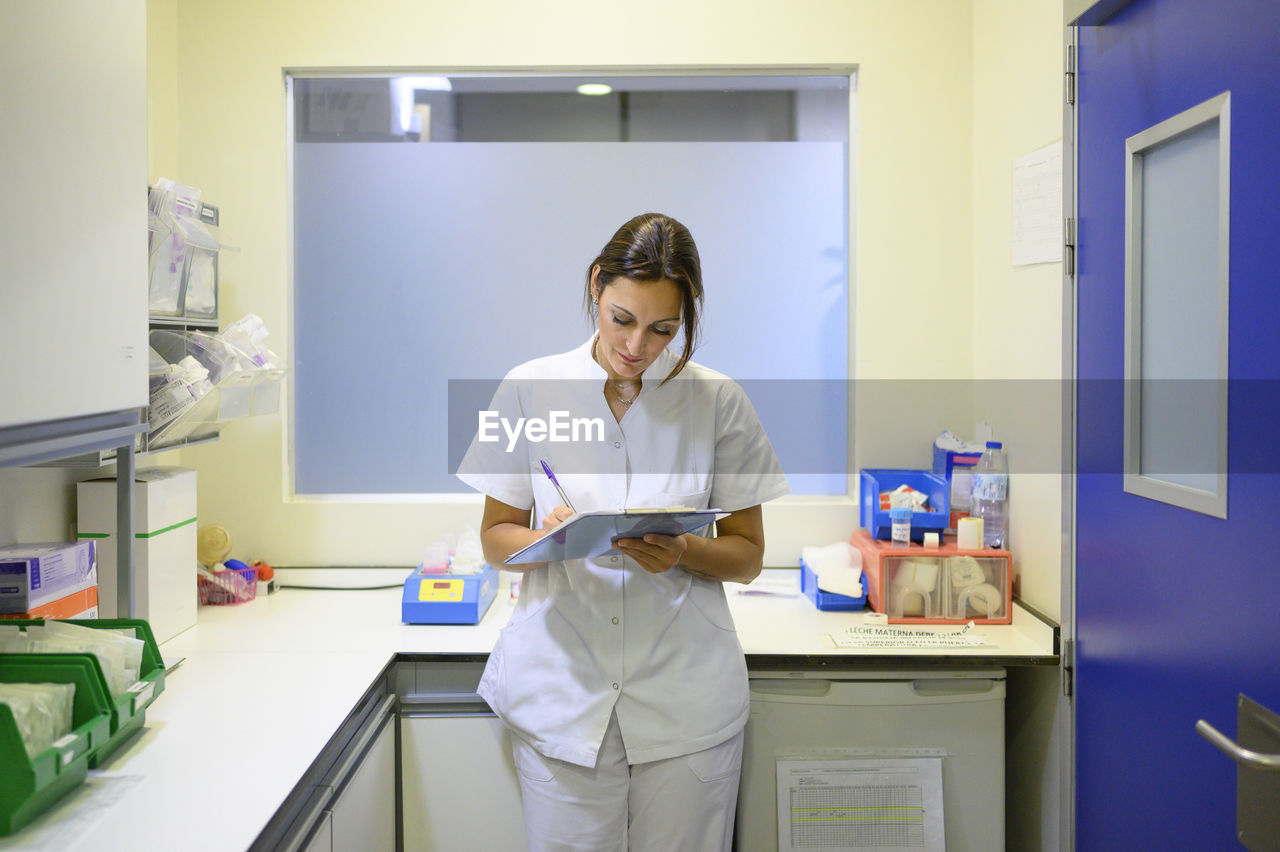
(1177, 310)
(423, 272)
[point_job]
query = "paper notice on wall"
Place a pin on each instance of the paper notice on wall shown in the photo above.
(865, 804)
(1037, 206)
(872, 636)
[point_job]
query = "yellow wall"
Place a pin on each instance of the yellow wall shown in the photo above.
(931, 142)
(912, 190)
(162, 89)
(1017, 329)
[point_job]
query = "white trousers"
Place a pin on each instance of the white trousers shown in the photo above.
(682, 803)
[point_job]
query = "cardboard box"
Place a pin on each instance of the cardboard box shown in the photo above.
(32, 575)
(164, 549)
(81, 604)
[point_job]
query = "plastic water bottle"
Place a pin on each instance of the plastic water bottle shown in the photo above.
(990, 495)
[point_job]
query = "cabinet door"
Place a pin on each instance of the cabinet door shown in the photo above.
(460, 788)
(73, 307)
(364, 812)
(959, 713)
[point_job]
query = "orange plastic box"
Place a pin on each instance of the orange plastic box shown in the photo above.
(81, 604)
(942, 585)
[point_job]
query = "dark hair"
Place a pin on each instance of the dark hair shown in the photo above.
(653, 247)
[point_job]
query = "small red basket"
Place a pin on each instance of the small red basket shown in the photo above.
(232, 586)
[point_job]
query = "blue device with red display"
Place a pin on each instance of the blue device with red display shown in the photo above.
(448, 598)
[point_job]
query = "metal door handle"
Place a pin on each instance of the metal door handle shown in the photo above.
(1233, 750)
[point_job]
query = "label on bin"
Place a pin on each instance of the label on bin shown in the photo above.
(64, 744)
(142, 691)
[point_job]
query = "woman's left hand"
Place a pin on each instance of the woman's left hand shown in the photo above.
(655, 553)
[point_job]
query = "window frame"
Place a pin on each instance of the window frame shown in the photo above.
(1214, 503)
(795, 520)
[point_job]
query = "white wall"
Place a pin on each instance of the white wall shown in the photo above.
(911, 196)
(162, 89)
(37, 504)
(1017, 362)
(936, 137)
(1017, 327)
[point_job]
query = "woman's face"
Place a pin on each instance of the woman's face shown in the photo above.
(638, 319)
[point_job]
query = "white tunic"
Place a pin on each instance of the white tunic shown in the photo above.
(591, 636)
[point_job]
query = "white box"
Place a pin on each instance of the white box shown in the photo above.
(32, 575)
(164, 548)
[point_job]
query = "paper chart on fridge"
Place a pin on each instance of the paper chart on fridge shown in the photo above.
(868, 804)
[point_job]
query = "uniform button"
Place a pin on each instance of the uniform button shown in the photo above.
(615, 686)
(615, 619)
(613, 559)
(617, 444)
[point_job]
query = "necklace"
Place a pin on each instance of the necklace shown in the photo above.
(622, 399)
(617, 393)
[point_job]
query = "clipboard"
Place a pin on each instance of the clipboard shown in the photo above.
(588, 534)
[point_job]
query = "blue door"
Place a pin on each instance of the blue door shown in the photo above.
(1177, 609)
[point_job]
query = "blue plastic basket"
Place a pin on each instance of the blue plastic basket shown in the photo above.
(829, 600)
(875, 480)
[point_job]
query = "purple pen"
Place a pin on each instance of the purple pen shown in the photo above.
(550, 475)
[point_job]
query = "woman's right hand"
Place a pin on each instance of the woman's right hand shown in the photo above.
(555, 518)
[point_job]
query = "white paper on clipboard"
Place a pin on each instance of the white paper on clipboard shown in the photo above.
(872, 804)
(588, 534)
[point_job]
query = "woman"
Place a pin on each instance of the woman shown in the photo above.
(621, 677)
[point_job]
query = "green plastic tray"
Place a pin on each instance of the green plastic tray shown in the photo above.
(30, 785)
(128, 712)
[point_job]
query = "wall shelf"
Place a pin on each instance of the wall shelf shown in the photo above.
(183, 323)
(38, 443)
(102, 458)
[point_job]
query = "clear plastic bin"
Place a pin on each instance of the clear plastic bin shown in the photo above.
(976, 587)
(913, 587)
(943, 585)
(241, 388)
(200, 283)
(182, 252)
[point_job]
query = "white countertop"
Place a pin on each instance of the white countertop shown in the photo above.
(264, 685)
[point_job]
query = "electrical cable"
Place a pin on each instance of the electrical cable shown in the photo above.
(344, 588)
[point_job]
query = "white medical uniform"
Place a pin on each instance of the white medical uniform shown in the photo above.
(591, 638)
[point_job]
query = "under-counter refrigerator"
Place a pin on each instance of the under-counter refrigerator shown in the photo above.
(957, 715)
